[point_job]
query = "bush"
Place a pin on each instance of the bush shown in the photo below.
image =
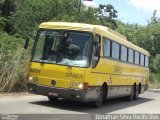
(13, 63)
(154, 81)
(156, 63)
(3, 22)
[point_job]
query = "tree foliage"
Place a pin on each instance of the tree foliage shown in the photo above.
(156, 64)
(8, 7)
(107, 15)
(147, 37)
(30, 13)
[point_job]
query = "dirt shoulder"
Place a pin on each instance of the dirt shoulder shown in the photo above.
(154, 90)
(14, 94)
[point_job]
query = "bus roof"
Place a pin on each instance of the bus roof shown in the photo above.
(107, 32)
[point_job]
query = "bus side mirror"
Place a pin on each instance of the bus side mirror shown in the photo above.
(94, 61)
(26, 43)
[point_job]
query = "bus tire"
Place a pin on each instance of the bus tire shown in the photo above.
(136, 92)
(131, 96)
(52, 99)
(99, 100)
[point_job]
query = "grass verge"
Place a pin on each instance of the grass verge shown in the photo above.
(154, 82)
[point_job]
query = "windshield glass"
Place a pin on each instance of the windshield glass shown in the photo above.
(63, 47)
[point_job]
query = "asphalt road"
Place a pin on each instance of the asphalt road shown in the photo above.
(149, 102)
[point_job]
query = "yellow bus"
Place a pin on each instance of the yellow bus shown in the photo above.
(87, 63)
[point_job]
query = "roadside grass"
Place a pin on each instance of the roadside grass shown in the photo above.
(154, 82)
(14, 71)
(14, 62)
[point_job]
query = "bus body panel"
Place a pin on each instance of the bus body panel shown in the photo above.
(63, 75)
(120, 77)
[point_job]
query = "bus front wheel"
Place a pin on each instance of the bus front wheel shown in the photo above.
(99, 100)
(131, 96)
(134, 93)
(52, 99)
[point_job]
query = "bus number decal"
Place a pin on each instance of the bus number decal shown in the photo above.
(71, 75)
(35, 71)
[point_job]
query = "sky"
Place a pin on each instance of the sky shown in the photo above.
(131, 11)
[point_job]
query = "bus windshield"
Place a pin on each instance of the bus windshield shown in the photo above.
(63, 47)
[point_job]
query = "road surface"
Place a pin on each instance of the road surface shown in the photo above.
(149, 102)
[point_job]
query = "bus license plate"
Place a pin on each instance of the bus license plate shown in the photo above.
(53, 94)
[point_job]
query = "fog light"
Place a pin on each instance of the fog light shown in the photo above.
(74, 84)
(80, 86)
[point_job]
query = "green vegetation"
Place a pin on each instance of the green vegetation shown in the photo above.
(13, 63)
(21, 17)
(154, 81)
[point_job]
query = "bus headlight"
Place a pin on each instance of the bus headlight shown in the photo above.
(80, 85)
(30, 79)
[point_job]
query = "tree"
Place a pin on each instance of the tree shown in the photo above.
(154, 19)
(146, 37)
(8, 7)
(153, 35)
(1, 5)
(88, 15)
(156, 63)
(3, 22)
(107, 15)
(30, 13)
(103, 15)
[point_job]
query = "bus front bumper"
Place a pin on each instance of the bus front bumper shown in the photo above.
(90, 94)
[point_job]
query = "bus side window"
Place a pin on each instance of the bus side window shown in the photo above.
(96, 51)
(106, 47)
(142, 60)
(146, 61)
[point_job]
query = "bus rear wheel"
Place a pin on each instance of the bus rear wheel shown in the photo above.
(131, 96)
(136, 92)
(52, 99)
(99, 100)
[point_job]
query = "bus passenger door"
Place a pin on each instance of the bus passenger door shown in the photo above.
(95, 67)
(96, 51)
